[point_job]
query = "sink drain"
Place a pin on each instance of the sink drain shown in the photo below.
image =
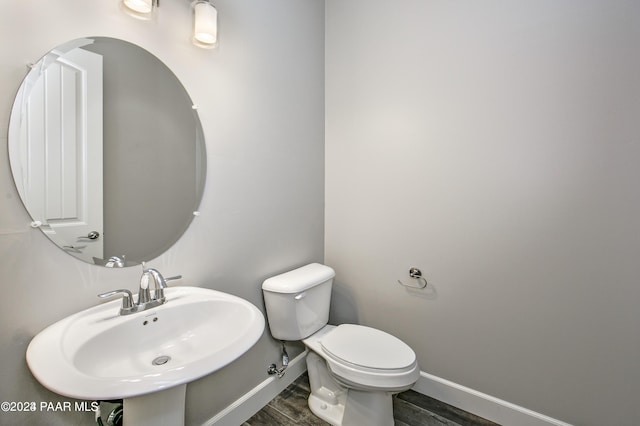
(161, 360)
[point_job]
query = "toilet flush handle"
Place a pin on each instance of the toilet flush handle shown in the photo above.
(300, 295)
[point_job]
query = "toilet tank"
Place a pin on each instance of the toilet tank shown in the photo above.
(298, 301)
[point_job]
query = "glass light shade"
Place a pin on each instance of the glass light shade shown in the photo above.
(139, 6)
(205, 24)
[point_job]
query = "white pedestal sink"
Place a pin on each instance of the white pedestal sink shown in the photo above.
(162, 408)
(148, 357)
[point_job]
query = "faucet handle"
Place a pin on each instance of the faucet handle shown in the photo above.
(174, 278)
(127, 297)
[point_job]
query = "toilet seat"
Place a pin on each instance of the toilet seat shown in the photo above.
(366, 358)
(367, 347)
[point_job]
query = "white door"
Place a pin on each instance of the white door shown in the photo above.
(63, 162)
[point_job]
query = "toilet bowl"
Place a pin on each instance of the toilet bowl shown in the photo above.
(353, 370)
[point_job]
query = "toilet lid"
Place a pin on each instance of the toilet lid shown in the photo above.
(368, 347)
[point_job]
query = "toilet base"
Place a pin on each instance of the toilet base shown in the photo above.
(368, 408)
(341, 406)
(330, 413)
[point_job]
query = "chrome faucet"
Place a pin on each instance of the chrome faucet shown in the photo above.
(146, 300)
(160, 283)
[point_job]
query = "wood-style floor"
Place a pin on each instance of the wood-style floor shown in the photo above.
(409, 409)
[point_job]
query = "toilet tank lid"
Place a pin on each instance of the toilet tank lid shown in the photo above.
(299, 279)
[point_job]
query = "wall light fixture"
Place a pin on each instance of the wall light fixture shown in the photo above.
(205, 19)
(205, 24)
(141, 9)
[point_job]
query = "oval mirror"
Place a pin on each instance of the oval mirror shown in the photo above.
(107, 151)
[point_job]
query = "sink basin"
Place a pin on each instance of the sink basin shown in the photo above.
(97, 354)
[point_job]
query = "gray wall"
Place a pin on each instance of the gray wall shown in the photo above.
(495, 145)
(260, 97)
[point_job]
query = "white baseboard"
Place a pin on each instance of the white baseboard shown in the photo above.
(480, 404)
(250, 403)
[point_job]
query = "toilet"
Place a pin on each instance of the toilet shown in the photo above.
(353, 370)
